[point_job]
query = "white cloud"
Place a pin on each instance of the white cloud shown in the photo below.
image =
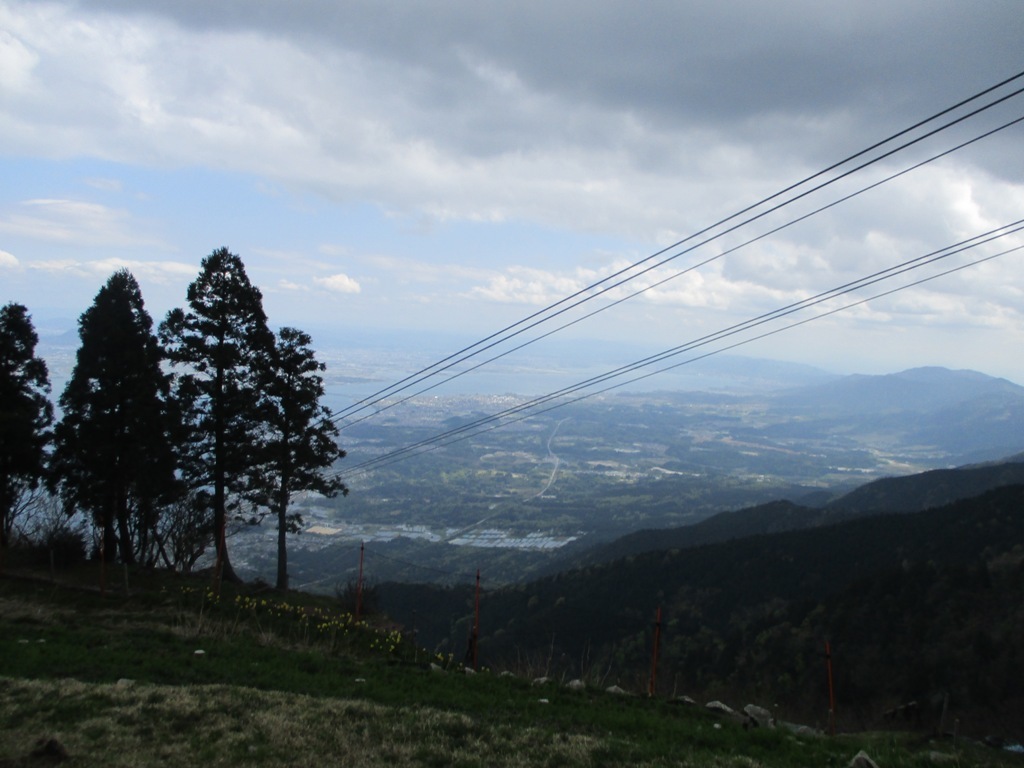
(461, 124)
(8, 260)
(16, 62)
(333, 250)
(105, 185)
(72, 222)
(167, 272)
(644, 129)
(339, 283)
(526, 287)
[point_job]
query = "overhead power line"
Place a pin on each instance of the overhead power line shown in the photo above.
(389, 404)
(742, 342)
(587, 293)
(529, 407)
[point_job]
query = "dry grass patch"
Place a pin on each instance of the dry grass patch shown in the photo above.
(126, 724)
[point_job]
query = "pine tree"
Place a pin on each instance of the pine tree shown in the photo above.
(112, 454)
(302, 439)
(218, 347)
(25, 414)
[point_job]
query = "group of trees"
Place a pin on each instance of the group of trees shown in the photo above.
(167, 436)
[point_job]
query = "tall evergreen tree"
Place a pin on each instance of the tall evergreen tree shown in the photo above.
(302, 440)
(112, 455)
(25, 414)
(219, 346)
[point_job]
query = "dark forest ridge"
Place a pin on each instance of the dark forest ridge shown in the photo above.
(918, 607)
(909, 494)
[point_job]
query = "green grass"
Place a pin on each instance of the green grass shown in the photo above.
(284, 680)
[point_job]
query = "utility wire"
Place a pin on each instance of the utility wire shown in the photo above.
(941, 253)
(585, 294)
(394, 403)
(742, 342)
(749, 208)
(718, 335)
(532, 414)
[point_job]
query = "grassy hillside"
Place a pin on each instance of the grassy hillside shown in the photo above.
(916, 606)
(171, 674)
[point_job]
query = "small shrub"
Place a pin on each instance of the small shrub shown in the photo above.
(349, 595)
(67, 548)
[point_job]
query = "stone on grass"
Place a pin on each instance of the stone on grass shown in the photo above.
(799, 730)
(720, 708)
(861, 760)
(759, 716)
(576, 685)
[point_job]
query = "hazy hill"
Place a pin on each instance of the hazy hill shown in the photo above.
(913, 493)
(962, 415)
(928, 489)
(773, 517)
(918, 390)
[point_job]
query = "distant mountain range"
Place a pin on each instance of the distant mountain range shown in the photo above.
(962, 413)
(918, 390)
(605, 468)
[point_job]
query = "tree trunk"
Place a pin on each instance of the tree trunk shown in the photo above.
(109, 545)
(224, 571)
(282, 535)
(124, 535)
(223, 565)
(3, 528)
(282, 552)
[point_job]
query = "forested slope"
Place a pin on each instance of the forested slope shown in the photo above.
(915, 606)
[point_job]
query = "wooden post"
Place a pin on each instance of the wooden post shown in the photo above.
(831, 691)
(654, 655)
(359, 584)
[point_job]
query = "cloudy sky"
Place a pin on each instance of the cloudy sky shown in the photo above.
(451, 167)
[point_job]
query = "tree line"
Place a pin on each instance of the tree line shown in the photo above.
(166, 435)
